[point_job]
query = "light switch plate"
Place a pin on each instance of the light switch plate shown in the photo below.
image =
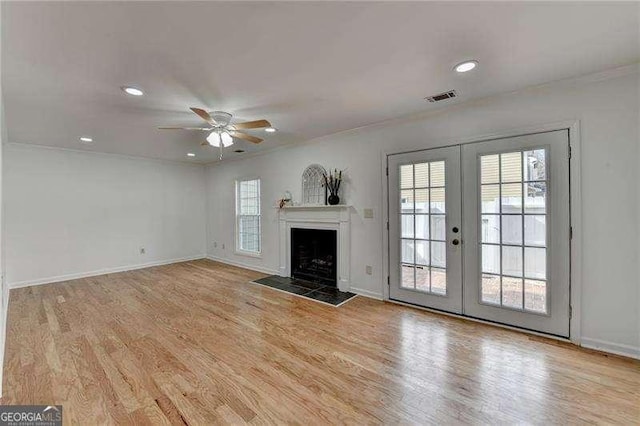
(368, 213)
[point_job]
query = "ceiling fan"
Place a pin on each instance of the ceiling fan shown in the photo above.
(222, 131)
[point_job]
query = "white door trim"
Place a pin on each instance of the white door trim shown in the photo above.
(575, 206)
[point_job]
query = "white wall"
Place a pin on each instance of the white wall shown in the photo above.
(607, 107)
(71, 213)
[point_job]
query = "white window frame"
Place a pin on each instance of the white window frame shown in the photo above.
(238, 249)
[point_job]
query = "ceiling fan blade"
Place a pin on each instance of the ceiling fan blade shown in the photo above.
(245, 136)
(185, 128)
(252, 124)
(204, 115)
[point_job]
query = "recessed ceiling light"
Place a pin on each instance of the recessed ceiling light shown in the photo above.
(191, 154)
(465, 66)
(133, 91)
(86, 139)
(270, 129)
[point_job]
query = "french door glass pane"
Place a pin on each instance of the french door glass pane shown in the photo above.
(407, 251)
(490, 289)
(510, 167)
(437, 174)
(407, 280)
(512, 292)
(421, 175)
(437, 201)
(422, 252)
(490, 165)
(438, 254)
(490, 194)
(406, 225)
(422, 200)
(512, 261)
(423, 278)
(535, 262)
(490, 228)
(491, 258)
(423, 227)
(406, 176)
(535, 197)
(513, 228)
(534, 165)
(511, 195)
(535, 296)
(438, 230)
(535, 230)
(438, 281)
(406, 201)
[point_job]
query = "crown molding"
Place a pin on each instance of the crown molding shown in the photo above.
(26, 145)
(597, 77)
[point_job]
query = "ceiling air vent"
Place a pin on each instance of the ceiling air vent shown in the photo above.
(442, 96)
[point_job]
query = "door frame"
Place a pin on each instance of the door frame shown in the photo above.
(575, 214)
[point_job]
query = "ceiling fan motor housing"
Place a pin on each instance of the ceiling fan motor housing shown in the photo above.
(221, 118)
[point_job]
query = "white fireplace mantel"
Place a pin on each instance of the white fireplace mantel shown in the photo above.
(317, 217)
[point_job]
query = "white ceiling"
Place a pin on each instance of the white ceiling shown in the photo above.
(312, 69)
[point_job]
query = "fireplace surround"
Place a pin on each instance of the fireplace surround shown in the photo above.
(336, 218)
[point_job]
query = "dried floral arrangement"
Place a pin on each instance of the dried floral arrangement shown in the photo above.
(332, 183)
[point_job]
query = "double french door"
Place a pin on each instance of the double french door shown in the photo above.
(482, 230)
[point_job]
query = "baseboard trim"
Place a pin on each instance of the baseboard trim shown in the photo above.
(243, 265)
(68, 277)
(366, 293)
(611, 347)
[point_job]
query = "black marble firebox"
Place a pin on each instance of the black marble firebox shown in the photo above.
(314, 255)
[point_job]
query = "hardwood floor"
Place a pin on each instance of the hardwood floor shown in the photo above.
(196, 343)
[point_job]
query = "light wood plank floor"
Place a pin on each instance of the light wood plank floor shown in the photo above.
(196, 343)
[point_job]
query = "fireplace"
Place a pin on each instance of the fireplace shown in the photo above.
(322, 218)
(314, 255)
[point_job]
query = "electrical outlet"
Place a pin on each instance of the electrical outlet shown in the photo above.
(368, 213)
(369, 270)
(142, 250)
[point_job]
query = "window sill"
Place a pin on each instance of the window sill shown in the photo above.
(248, 253)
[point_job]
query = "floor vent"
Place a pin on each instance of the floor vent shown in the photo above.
(442, 96)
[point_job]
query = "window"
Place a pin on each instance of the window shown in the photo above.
(423, 226)
(514, 211)
(248, 216)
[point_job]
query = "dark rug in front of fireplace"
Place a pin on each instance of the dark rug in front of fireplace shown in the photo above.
(313, 291)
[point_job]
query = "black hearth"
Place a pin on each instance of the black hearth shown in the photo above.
(314, 254)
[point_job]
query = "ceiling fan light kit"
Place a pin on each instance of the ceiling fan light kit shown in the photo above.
(217, 138)
(222, 131)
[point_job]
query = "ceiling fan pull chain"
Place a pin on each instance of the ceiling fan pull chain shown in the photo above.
(221, 151)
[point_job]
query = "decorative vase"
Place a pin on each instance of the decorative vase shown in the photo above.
(333, 200)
